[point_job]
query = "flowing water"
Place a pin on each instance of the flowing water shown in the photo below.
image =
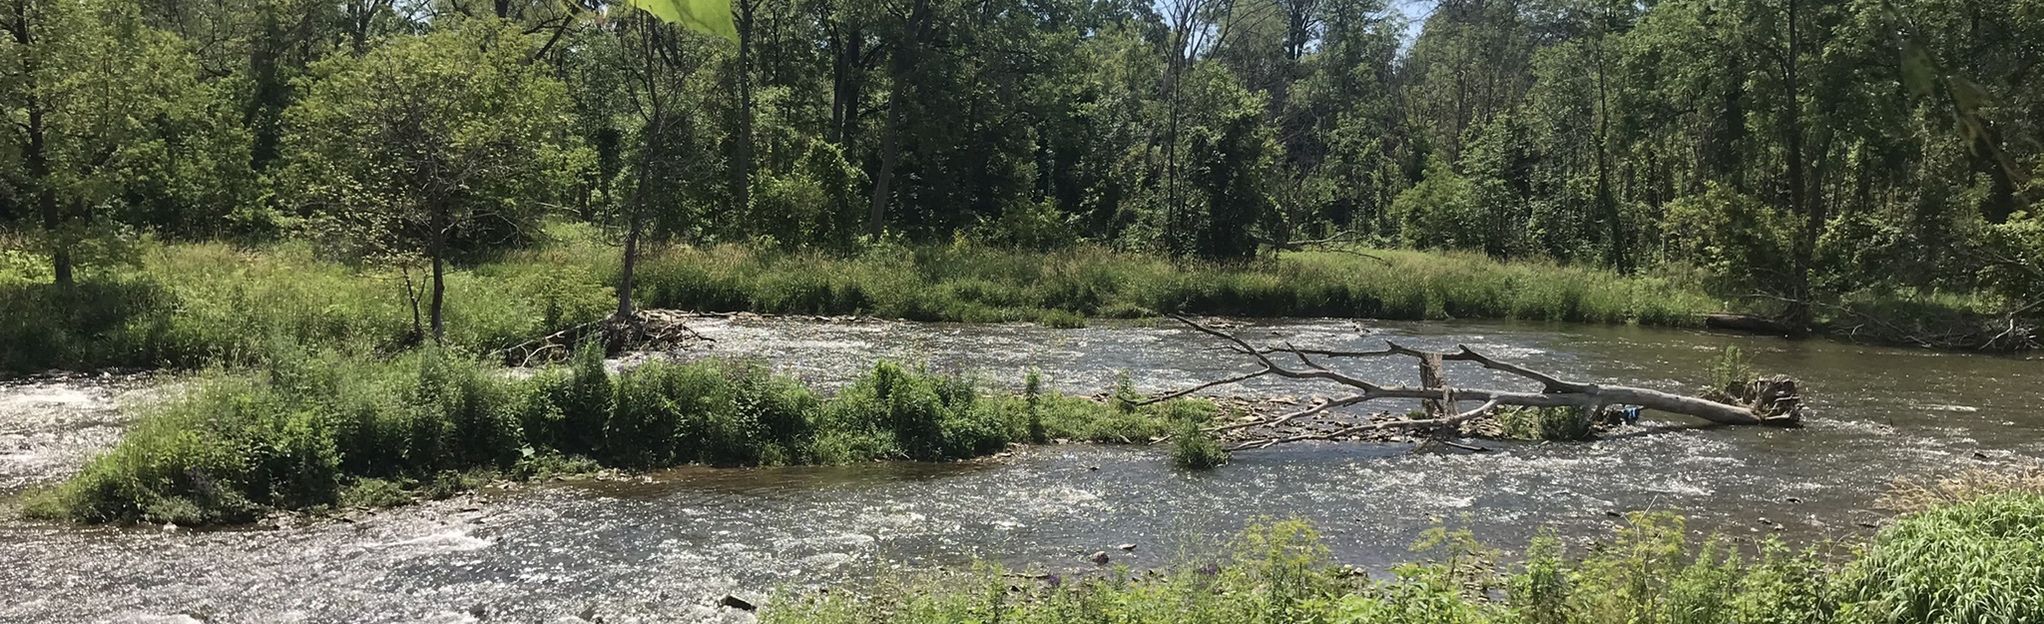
(665, 547)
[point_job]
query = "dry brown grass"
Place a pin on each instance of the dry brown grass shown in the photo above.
(1931, 491)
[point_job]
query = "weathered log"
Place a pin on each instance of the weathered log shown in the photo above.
(1749, 324)
(1776, 407)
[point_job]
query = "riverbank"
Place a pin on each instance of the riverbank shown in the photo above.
(1976, 561)
(193, 305)
(316, 430)
(190, 305)
(664, 545)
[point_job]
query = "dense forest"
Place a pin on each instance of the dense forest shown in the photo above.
(1791, 150)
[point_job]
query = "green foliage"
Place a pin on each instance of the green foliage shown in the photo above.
(429, 149)
(1440, 211)
(2016, 251)
(1969, 562)
(1194, 449)
(114, 128)
(1730, 373)
(315, 429)
(1544, 423)
(1642, 138)
(978, 284)
(929, 417)
(708, 16)
(1977, 561)
(190, 305)
(1032, 394)
(1741, 241)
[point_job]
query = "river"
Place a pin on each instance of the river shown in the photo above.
(665, 547)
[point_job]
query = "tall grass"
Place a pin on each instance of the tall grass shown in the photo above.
(972, 283)
(1975, 562)
(305, 430)
(189, 305)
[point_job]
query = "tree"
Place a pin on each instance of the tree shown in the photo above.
(102, 105)
(430, 147)
(914, 23)
(1195, 29)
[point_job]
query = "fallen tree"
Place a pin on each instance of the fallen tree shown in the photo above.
(1766, 402)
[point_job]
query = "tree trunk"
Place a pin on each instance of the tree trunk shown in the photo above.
(741, 156)
(1781, 409)
(437, 305)
(903, 63)
(36, 153)
(1798, 314)
(848, 50)
(1432, 375)
(649, 152)
(627, 280)
(1607, 201)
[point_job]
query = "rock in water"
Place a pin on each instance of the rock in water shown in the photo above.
(1099, 558)
(1128, 546)
(737, 603)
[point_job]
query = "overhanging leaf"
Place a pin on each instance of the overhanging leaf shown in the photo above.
(706, 16)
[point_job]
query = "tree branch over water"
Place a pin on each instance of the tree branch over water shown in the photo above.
(1770, 402)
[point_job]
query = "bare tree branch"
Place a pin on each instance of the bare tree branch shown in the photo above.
(1555, 392)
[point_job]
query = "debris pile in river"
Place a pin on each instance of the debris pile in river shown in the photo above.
(1772, 401)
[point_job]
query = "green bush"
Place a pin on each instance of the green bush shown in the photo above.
(1562, 424)
(930, 417)
(1193, 449)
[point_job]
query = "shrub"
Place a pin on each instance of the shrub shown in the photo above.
(1032, 394)
(1194, 449)
(375, 493)
(1562, 424)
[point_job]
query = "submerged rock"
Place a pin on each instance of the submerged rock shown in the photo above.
(735, 602)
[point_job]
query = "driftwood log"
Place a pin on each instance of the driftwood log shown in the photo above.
(1770, 402)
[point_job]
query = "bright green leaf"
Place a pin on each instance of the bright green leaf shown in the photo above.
(706, 16)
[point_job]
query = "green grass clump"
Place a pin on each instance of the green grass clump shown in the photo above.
(310, 430)
(1193, 449)
(1560, 424)
(1976, 562)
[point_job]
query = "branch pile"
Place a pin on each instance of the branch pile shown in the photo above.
(1768, 402)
